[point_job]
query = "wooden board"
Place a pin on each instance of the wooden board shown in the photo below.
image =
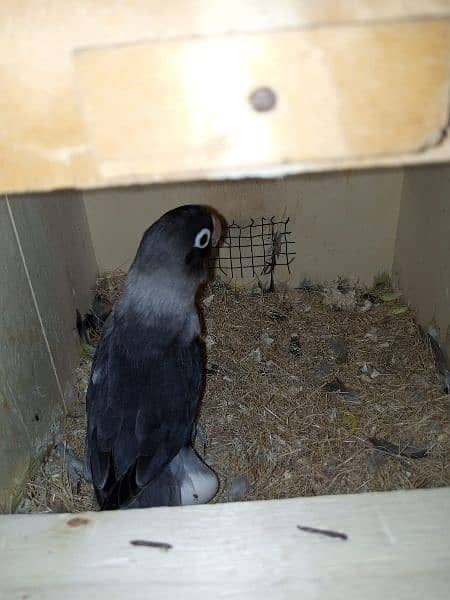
(181, 109)
(398, 547)
(326, 59)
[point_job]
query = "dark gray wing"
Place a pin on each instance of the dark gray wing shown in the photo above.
(141, 409)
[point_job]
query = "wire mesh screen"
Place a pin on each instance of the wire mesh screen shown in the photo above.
(256, 248)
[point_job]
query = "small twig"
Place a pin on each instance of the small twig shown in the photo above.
(273, 414)
(149, 544)
(445, 397)
(326, 532)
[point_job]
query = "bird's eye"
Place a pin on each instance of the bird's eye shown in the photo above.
(202, 238)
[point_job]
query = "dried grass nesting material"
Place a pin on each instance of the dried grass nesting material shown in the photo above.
(296, 386)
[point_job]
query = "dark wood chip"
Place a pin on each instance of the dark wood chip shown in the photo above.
(325, 532)
(150, 544)
(408, 451)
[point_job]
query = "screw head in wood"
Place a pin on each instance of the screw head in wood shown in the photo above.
(263, 99)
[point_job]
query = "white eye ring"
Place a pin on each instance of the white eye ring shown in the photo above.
(202, 238)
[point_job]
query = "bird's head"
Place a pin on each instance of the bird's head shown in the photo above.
(173, 256)
(179, 243)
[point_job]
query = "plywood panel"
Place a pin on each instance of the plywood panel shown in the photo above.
(58, 251)
(29, 396)
(422, 255)
(343, 224)
(45, 143)
(15, 454)
(341, 93)
(47, 269)
(398, 546)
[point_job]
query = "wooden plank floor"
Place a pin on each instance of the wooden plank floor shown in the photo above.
(398, 547)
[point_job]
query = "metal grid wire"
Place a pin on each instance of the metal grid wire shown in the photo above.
(258, 247)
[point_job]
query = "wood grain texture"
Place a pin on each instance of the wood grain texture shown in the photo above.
(398, 546)
(47, 270)
(176, 109)
(47, 143)
(30, 401)
(421, 265)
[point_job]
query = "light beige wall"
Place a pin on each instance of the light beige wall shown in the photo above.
(422, 253)
(342, 223)
(46, 270)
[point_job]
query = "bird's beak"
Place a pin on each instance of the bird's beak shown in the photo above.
(217, 231)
